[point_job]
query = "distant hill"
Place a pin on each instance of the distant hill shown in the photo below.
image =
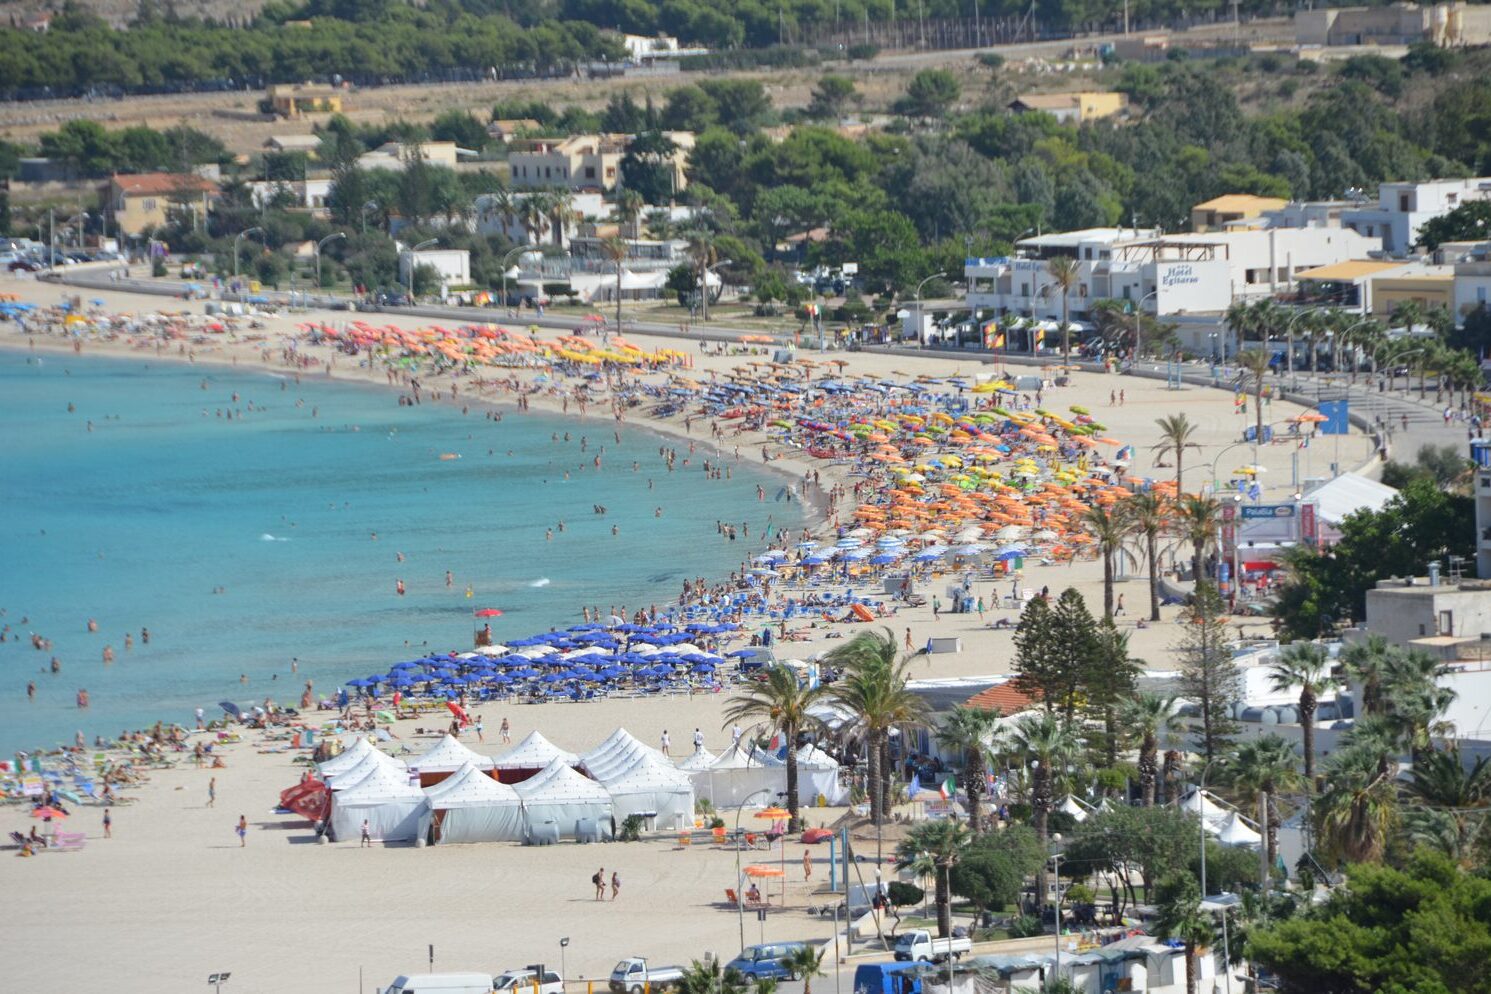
(118, 13)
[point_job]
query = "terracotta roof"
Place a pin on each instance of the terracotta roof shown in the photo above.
(161, 184)
(1005, 699)
(1048, 101)
(1240, 202)
(1352, 269)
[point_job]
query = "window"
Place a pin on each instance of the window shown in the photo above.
(149, 205)
(1446, 622)
(590, 172)
(1403, 202)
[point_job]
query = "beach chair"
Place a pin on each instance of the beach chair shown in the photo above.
(731, 897)
(719, 835)
(67, 842)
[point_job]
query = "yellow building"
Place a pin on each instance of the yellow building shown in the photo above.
(1431, 287)
(294, 99)
(142, 201)
(584, 162)
(1218, 212)
(1086, 105)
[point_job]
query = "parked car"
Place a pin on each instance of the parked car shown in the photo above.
(526, 980)
(766, 960)
(919, 946)
(25, 266)
(633, 976)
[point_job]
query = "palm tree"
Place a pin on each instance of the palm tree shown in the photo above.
(702, 253)
(1414, 699)
(710, 976)
(1254, 363)
(1108, 525)
(1181, 917)
(1198, 519)
(533, 213)
(933, 848)
(1449, 803)
(1265, 766)
(1176, 432)
(1046, 742)
(561, 205)
(1148, 515)
(615, 250)
(1367, 662)
(629, 206)
(1305, 665)
(1356, 813)
(780, 702)
(1242, 318)
(970, 732)
(873, 689)
(1170, 774)
(1148, 717)
(1064, 273)
(804, 963)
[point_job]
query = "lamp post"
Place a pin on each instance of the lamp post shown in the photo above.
(1201, 812)
(1139, 320)
(236, 238)
(510, 253)
(1218, 459)
(1289, 338)
(703, 289)
(562, 944)
(916, 298)
(412, 253)
(319, 245)
(218, 979)
(739, 898)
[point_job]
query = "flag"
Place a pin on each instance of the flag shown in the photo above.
(914, 787)
(948, 788)
(1337, 417)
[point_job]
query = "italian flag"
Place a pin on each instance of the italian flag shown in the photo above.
(948, 788)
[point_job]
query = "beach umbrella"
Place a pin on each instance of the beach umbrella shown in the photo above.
(231, 708)
(489, 612)
(882, 560)
(47, 811)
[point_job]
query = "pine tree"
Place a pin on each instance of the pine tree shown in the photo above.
(1209, 677)
(1056, 649)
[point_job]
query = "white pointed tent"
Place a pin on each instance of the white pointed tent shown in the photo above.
(528, 757)
(699, 760)
(1234, 831)
(560, 795)
(618, 752)
(739, 772)
(444, 758)
(1198, 803)
(372, 761)
(346, 759)
(1072, 806)
(385, 798)
(469, 806)
(641, 780)
(818, 774)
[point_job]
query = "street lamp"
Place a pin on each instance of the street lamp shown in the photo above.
(1139, 320)
(319, 245)
(562, 943)
(704, 289)
(371, 205)
(1218, 459)
(241, 234)
(1289, 338)
(1201, 809)
(1056, 859)
(218, 979)
(412, 253)
(739, 897)
(510, 253)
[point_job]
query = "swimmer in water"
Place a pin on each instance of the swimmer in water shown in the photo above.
(398, 585)
(615, 529)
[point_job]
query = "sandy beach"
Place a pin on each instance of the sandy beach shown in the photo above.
(172, 896)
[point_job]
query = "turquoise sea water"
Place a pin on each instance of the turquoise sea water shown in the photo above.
(137, 522)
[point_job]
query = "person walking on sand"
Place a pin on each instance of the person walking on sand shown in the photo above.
(108, 824)
(615, 884)
(212, 792)
(600, 884)
(367, 835)
(242, 831)
(1118, 608)
(908, 640)
(507, 732)
(665, 742)
(807, 865)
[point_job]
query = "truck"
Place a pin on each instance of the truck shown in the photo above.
(533, 979)
(441, 983)
(919, 946)
(911, 978)
(633, 976)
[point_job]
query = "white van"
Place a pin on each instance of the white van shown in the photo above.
(441, 983)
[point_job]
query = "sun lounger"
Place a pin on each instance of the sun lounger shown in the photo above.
(67, 842)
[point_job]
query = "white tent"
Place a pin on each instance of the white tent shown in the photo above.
(1071, 806)
(654, 787)
(699, 760)
(372, 761)
(444, 758)
(618, 752)
(385, 798)
(560, 795)
(346, 759)
(469, 806)
(738, 773)
(1234, 831)
(1201, 804)
(818, 774)
(528, 757)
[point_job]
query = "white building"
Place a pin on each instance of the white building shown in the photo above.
(452, 265)
(504, 215)
(398, 155)
(1472, 288)
(1166, 274)
(1403, 208)
(307, 194)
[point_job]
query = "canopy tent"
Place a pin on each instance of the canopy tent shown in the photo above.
(1234, 831)
(818, 775)
(444, 758)
(372, 761)
(559, 795)
(1202, 805)
(391, 805)
(469, 806)
(346, 759)
(738, 773)
(1073, 807)
(652, 787)
(618, 752)
(699, 760)
(528, 757)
